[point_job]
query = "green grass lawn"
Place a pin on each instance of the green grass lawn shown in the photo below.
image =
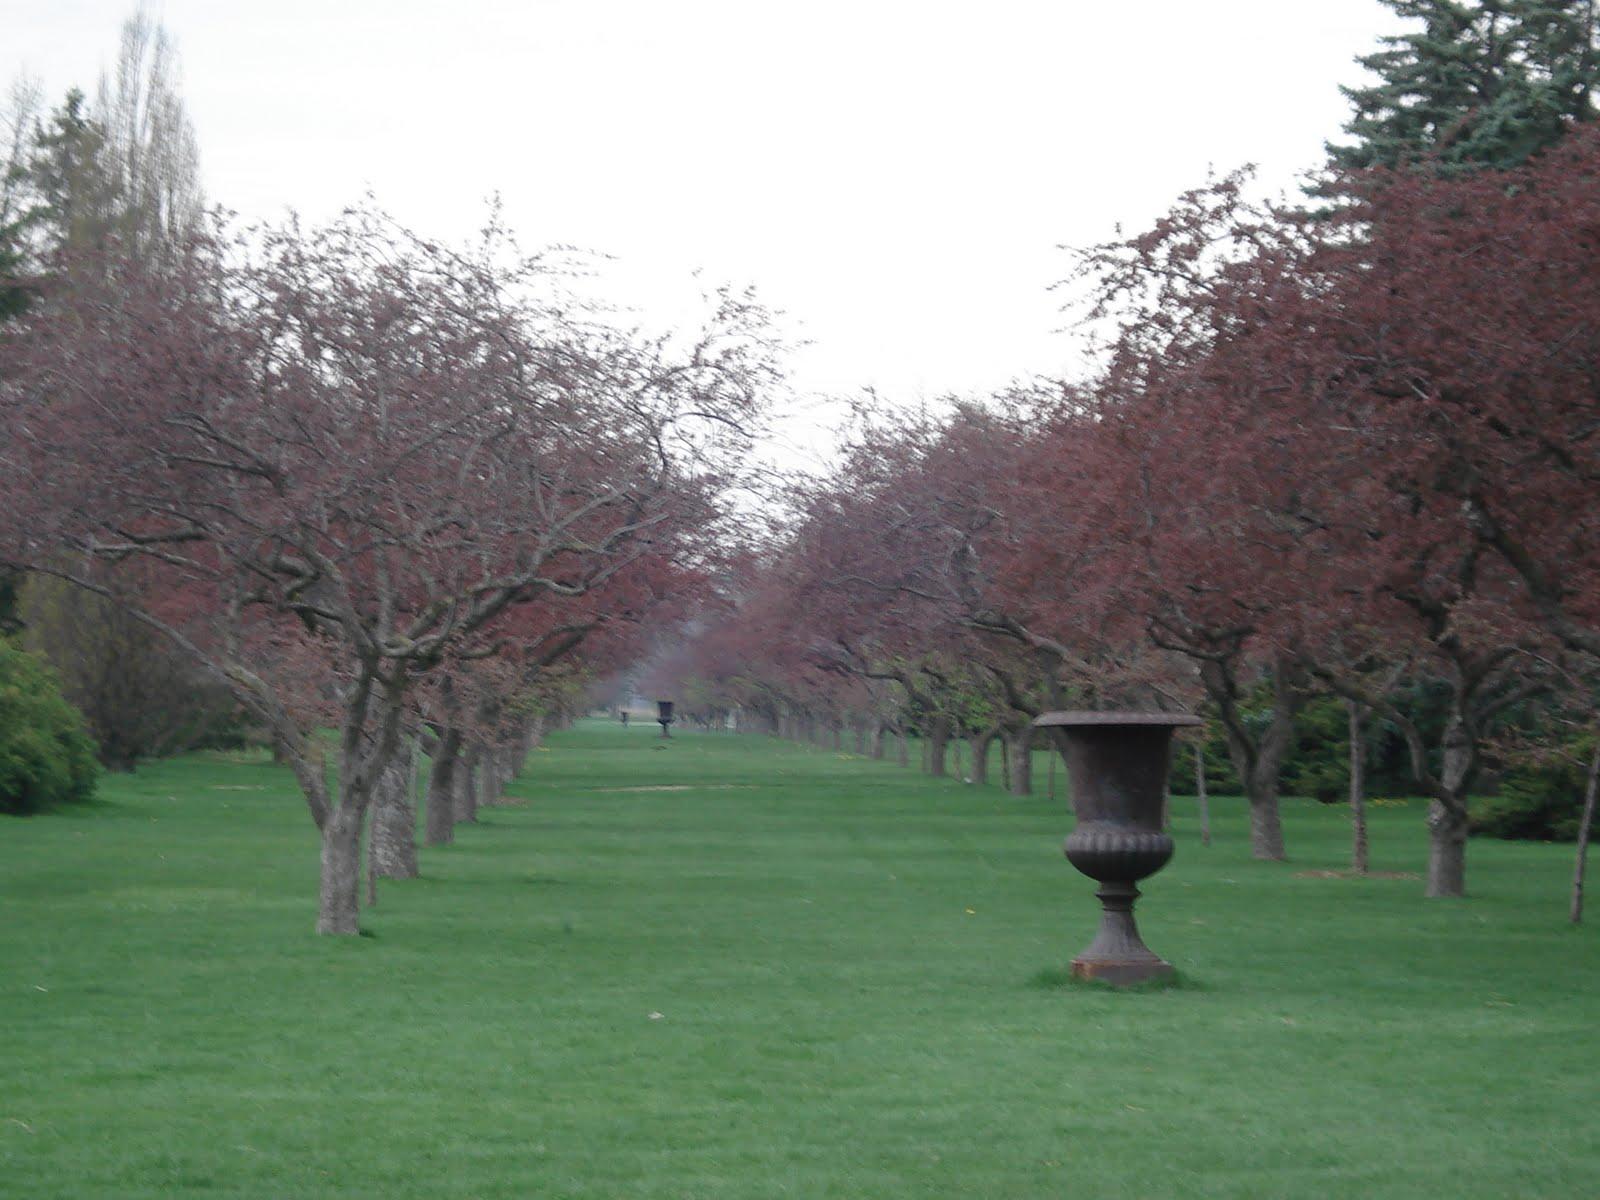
(735, 968)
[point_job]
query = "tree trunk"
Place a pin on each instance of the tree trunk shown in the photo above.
(1447, 815)
(1358, 792)
(1019, 761)
(339, 897)
(394, 820)
(861, 737)
(938, 744)
(1266, 823)
(441, 816)
(493, 774)
(369, 738)
(487, 783)
(1258, 760)
(902, 748)
(980, 757)
(875, 741)
(1585, 828)
(532, 737)
(1447, 850)
(1200, 792)
(466, 805)
(372, 863)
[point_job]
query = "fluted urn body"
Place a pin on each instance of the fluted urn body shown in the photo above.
(1117, 765)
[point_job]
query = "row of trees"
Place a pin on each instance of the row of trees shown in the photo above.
(416, 493)
(366, 479)
(1349, 452)
(347, 476)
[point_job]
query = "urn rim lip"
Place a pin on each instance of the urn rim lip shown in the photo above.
(1169, 720)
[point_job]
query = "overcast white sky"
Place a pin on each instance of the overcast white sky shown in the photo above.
(896, 175)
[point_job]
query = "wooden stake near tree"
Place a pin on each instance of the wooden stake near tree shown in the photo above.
(1358, 791)
(1585, 828)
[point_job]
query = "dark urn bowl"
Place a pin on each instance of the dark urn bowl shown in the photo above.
(1117, 764)
(1106, 852)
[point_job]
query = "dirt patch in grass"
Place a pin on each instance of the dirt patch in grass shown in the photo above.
(681, 787)
(1353, 875)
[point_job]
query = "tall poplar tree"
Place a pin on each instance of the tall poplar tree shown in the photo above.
(16, 128)
(1481, 83)
(123, 165)
(151, 153)
(120, 170)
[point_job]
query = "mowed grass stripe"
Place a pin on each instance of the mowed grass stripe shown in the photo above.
(833, 1020)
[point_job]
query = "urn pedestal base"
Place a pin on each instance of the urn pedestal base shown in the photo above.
(1117, 955)
(1122, 974)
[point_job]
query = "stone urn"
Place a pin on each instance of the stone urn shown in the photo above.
(664, 717)
(1117, 766)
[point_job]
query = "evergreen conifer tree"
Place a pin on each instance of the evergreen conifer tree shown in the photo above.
(76, 199)
(1481, 83)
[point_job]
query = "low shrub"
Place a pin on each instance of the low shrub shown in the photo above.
(46, 758)
(1540, 797)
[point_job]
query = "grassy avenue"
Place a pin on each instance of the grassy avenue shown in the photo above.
(732, 967)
